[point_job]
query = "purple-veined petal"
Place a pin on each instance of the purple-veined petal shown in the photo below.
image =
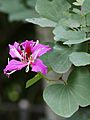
(27, 45)
(27, 42)
(38, 66)
(15, 51)
(16, 44)
(39, 49)
(13, 66)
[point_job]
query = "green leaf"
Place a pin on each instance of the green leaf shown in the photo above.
(73, 20)
(86, 7)
(45, 57)
(77, 11)
(69, 42)
(53, 10)
(82, 47)
(60, 33)
(65, 100)
(17, 10)
(59, 59)
(82, 114)
(23, 14)
(76, 20)
(63, 31)
(86, 29)
(80, 58)
(88, 19)
(78, 2)
(33, 80)
(43, 22)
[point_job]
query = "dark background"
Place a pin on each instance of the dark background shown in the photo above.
(13, 94)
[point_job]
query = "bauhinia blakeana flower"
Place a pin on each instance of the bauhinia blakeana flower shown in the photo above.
(28, 54)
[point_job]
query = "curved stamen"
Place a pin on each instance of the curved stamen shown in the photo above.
(27, 68)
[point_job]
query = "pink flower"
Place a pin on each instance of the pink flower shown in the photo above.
(28, 54)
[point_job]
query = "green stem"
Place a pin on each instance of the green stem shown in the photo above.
(65, 82)
(48, 79)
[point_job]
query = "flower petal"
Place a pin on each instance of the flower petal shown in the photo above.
(38, 66)
(14, 65)
(16, 44)
(27, 45)
(39, 49)
(15, 51)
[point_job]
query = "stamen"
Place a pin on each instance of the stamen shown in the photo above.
(8, 60)
(11, 72)
(25, 55)
(27, 68)
(37, 42)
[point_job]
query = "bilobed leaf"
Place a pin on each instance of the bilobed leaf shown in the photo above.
(33, 80)
(43, 22)
(80, 58)
(59, 59)
(53, 10)
(65, 100)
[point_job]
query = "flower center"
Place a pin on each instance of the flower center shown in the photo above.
(31, 59)
(27, 57)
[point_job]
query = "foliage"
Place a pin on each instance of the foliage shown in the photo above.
(33, 80)
(71, 28)
(82, 114)
(18, 9)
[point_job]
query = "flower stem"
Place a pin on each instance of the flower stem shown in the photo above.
(60, 79)
(48, 79)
